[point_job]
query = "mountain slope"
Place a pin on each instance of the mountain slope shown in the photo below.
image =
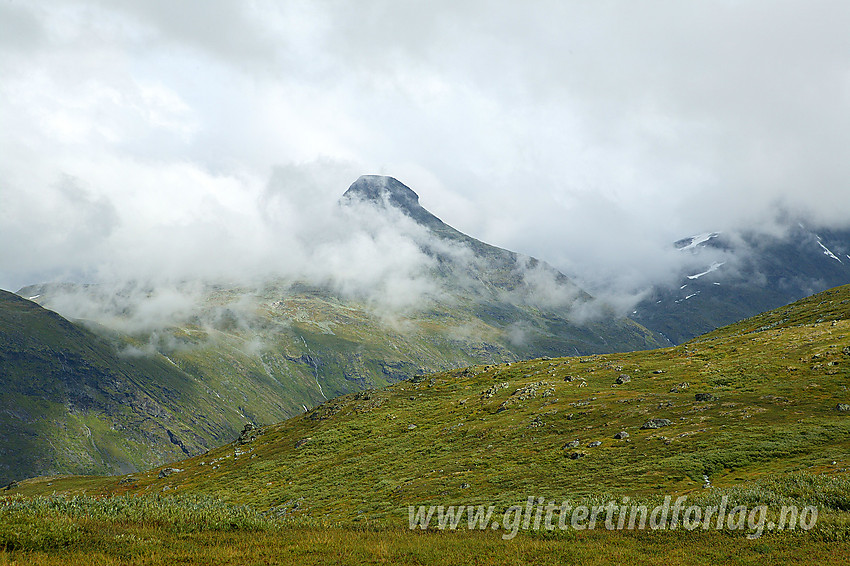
(764, 397)
(70, 403)
(743, 275)
(270, 350)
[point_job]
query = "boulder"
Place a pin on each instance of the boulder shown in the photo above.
(249, 434)
(701, 397)
(165, 472)
(621, 435)
(623, 379)
(655, 423)
(576, 455)
(842, 407)
(594, 444)
(572, 444)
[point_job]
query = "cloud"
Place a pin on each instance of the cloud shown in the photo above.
(213, 140)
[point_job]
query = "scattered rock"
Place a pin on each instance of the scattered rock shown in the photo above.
(576, 455)
(655, 423)
(846, 350)
(301, 442)
(704, 397)
(165, 472)
(658, 371)
(530, 390)
(621, 435)
(127, 480)
(572, 444)
(679, 387)
(411, 426)
(464, 486)
(594, 444)
(536, 422)
(568, 378)
(843, 407)
(248, 434)
(324, 411)
(623, 379)
(493, 389)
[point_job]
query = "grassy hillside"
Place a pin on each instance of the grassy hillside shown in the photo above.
(498, 433)
(753, 413)
(246, 355)
(71, 402)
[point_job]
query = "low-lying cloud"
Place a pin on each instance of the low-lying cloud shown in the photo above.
(158, 144)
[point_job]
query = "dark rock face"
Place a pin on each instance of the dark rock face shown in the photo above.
(744, 274)
(655, 423)
(380, 189)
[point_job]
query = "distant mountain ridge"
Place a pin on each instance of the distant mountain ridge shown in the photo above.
(744, 274)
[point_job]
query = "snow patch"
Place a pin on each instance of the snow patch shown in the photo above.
(713, 267)
(827, 252)
(700, 239)
(34, 297)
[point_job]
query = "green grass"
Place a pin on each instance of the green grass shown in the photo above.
(199, 530)
(335, 483)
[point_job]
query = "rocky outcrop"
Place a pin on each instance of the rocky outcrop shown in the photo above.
(655, 423)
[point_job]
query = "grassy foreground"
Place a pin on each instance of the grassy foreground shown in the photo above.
(153, 530)
(137, 546)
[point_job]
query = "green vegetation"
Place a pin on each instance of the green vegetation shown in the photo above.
(198, 530)
(755, 410)
(78, 401)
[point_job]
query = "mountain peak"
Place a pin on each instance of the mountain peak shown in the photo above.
(380, 189)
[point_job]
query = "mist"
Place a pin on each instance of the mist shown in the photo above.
(157, 144)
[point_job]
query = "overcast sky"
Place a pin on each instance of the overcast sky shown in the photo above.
(142, 135)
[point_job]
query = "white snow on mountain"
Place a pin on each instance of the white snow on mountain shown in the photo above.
(827, 252)
(713, 267)
(699, 239)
